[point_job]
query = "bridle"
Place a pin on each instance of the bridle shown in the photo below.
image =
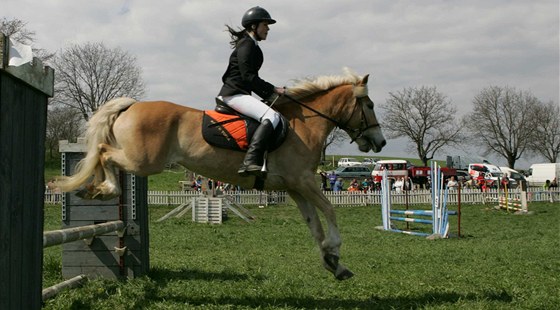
(359, 132)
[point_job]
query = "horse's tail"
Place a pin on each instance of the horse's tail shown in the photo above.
(98, 131)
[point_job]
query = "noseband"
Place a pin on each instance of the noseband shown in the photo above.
(364, 124)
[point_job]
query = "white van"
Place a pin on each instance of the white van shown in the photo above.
(539, 173)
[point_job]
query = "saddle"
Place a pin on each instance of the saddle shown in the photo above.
(226, 128)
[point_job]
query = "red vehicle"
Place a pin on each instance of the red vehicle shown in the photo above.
(397, 168)
(419, 175)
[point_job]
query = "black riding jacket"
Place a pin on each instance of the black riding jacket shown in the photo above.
(242, 74)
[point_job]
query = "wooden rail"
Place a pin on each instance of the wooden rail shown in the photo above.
(61, 236)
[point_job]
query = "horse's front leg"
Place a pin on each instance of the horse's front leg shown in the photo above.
(330, 246)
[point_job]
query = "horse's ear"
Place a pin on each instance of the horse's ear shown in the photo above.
(365, 79)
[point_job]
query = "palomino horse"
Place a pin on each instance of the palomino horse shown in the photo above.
(141, 137)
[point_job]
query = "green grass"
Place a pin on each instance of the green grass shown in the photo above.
(504, 261)
(52, 169)
(167, 180)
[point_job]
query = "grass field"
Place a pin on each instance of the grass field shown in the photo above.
(504, 261)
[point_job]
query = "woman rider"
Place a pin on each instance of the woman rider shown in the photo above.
(242, 78)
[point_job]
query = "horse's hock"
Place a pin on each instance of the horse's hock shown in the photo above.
(112, 255)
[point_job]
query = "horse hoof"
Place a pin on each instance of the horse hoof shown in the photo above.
(330, 262)
(344, 275)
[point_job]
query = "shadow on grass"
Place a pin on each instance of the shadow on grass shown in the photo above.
(405, 302)
(162, 276)
(166, 275)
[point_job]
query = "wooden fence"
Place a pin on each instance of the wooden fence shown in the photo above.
(340, 199)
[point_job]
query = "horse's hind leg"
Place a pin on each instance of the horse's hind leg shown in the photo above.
(91, 190)
(99, 175)
(110, 158)
(329, 245)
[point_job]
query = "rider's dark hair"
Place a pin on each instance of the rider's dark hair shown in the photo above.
(235, 35)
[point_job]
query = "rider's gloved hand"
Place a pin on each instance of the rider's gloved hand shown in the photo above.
(280, 90)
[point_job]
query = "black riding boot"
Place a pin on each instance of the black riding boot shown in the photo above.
(253, 162)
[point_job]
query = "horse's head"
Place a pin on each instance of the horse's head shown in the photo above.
(363, 126)
(353, 113)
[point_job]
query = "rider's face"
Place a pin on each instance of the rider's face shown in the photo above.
(262, 30)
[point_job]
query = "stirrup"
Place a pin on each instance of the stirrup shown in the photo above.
(259, 172)
(244, 172)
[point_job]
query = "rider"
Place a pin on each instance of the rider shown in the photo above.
(242, 78)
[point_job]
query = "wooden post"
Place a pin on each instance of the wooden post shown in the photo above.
(459, 210)
(100, 259)
(524, 196)
(24, 92)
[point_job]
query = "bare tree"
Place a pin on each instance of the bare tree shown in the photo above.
(335, 138)
(424, 116)
(62, 124)
(89, 75)
(16, 29)
(502, 121)
(546, 141)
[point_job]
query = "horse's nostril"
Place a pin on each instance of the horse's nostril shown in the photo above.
(383, 143)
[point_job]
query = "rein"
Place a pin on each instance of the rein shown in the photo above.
(312, 109)
(360, 131)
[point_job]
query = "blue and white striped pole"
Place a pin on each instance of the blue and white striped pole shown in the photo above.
(385, 201)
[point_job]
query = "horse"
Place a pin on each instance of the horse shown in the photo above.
(142, 137)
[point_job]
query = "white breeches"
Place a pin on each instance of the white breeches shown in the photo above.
(252, 107)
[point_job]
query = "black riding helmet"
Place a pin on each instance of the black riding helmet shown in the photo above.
(256, 15)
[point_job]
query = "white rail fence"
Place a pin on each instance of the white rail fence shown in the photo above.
(341, 199)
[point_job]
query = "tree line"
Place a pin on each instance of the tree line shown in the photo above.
(504, 121)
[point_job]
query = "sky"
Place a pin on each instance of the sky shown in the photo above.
(461, 47)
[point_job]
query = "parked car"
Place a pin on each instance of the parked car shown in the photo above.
(515, 177)
(421, 175)
(352, 172)
(348, 161)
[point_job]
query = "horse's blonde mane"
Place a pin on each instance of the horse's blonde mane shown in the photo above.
(311, 85)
